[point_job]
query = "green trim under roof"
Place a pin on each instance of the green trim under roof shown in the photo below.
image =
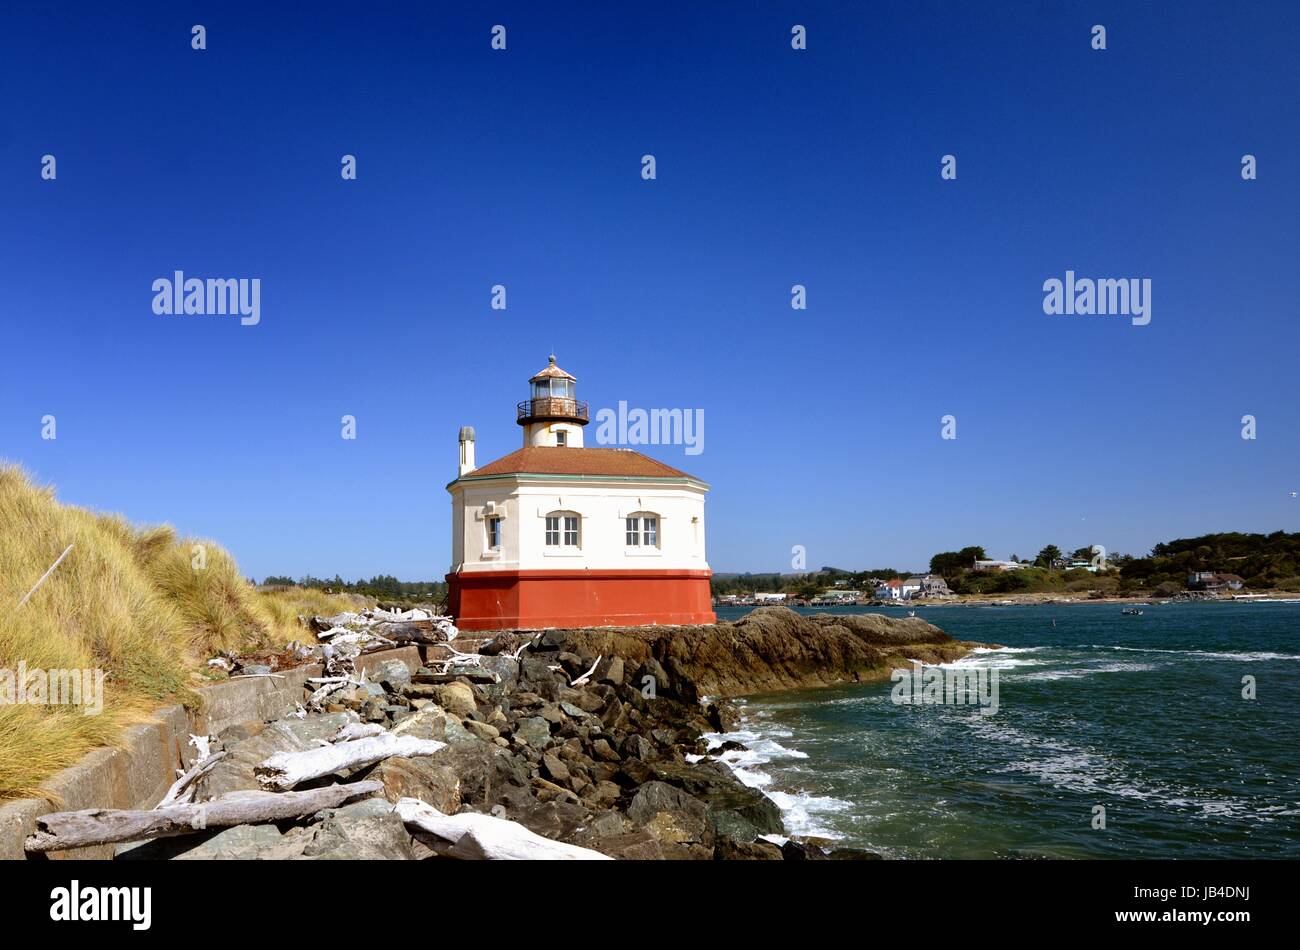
(543, 477)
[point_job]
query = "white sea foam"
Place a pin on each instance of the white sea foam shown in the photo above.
(1082, 671)
(1076, 769)
(800, 810)
(1248, 657)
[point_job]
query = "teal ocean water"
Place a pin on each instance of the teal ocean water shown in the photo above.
(1142, 715)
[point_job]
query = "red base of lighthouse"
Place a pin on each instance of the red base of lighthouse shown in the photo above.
(508, 600)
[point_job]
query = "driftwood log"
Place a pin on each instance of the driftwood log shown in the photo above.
(95, 826)
(287, 769)
(472, 836)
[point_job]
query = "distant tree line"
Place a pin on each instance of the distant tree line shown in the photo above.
(381, 587)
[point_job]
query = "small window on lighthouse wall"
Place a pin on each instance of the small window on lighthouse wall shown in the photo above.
(494, 533)
(562, 528)
(561, 438)
(643, 531)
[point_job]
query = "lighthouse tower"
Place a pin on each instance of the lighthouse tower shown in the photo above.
(556, 534)
(553, 416)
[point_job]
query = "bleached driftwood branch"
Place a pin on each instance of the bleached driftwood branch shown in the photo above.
(183, 784)
(95, 826)
(472, 836)
(582, 680)
(287, 769)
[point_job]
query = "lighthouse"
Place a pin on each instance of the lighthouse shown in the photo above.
(556, 534)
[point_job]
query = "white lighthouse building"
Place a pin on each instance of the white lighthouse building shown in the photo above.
(556, 534)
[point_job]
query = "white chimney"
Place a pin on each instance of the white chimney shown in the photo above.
(466, 449)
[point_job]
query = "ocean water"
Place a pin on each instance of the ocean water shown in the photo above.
(1141, 715)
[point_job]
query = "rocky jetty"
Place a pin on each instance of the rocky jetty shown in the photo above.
(768, 650)
(558, 744)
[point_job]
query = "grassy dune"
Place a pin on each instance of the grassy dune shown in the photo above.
(145, 606)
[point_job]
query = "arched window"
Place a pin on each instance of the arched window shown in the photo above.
(641, 529)
(563, 529)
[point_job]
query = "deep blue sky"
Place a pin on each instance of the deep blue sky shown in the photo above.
(775, 167)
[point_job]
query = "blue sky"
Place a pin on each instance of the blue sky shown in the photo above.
(775, 167)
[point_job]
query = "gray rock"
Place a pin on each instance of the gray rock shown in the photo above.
(392, 673)
(638, 747)
(554, 769)
(534, 731)
(613, 673)
(420, 777)
(569, 709)
(241, 843)
(364, 831)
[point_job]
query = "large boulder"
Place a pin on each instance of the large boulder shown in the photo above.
(422, 778)
(734, 809)
(369, 830)
(671, 815)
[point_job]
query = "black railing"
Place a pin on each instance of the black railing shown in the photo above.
(553, 407)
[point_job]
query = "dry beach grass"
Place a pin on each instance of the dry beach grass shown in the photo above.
(126, 600)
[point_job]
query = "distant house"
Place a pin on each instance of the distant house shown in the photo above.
(911, 587)
(1074, 564)
(932, 585)
(999, 565)
(889, 590)
(1210, 581)
(764, 598)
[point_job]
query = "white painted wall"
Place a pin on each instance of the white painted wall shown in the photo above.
(603, 506)
(543, 434)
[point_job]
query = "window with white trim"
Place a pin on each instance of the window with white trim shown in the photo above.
(494, 532)
(641, 530)
(562, 530)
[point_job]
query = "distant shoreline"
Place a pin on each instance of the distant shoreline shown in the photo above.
(1036, 599)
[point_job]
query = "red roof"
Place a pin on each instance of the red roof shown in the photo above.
(547, 460)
